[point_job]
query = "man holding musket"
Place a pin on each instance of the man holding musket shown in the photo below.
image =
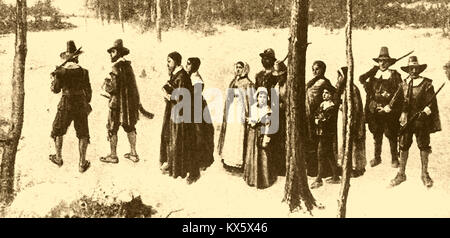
(382, 109)
(73, 82)
(419, 98)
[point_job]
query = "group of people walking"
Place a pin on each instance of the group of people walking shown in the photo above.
(252, 138)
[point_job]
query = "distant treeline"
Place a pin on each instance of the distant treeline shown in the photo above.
(41, 17)
(275, 13)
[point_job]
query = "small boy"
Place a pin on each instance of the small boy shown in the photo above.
(325, 120)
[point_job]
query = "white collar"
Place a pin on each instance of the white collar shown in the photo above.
(416, 81)
(385, 74)
(121, 59)
(177, 69)
(71, 65)
(196, 78)
(327, 104)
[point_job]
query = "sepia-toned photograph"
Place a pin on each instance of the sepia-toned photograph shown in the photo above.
(224, 109)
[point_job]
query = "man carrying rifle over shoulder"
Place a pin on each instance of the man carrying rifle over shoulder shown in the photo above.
(420, 110)
(382, 109)
(73, 82)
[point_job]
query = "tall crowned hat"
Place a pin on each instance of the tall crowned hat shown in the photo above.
(118, 45)
(384, 55)
(413, 62)
(70, 51)
(268, 53)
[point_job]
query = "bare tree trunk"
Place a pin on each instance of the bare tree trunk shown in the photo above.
(172, 19)
(158, 20)
(224, 9)
(100, 11)
(180, 14)
(152, 11)
(120, 15)
(8, 145)
(296, 189)
(86, 13)
(348, 148)
(187, 14)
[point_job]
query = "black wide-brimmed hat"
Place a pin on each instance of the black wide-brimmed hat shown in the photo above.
(384, 55)
(413, 62)
(70, 51)
(118, 45)
(268, 53)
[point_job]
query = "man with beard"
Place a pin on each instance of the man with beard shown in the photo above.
(124, 102)
(73, 82)
(382, 109)
(178, 135)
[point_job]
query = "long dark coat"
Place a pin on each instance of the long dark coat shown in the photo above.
(177, 139)
(124, 92)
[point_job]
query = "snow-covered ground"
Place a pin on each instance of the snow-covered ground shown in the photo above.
(41, 185)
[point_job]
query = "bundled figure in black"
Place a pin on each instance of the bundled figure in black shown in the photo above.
(382, 109)
(73, 82)
(265, 77)
(419, 99)
(325, 120)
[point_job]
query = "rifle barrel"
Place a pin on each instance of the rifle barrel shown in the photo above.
(415, 116)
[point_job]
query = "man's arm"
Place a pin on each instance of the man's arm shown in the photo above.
(111, 81)
(56, 84)
(363, 78)
(398, 98)
(87, 86)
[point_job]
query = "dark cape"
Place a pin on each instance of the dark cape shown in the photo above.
(431, 123)
(177, 140)
(124, 93)
(204, 129)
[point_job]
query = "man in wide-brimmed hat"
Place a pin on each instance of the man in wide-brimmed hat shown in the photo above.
(382, 109)
(73, 82)
(416, 93)
(124, 102)
(265, 77)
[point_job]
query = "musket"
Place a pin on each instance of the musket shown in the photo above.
(68, 59)
(406, 55)
(416, 116)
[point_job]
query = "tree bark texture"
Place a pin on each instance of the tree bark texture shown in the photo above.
(296, 188)
(158, 20)
(348, 110)
(187, 14)
(120, 15)
(11, 141)
(172, 19)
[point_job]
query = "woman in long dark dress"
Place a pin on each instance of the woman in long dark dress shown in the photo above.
(203, 127)
(359, 140)
(278, 145)
(259, 167)
(176, 136)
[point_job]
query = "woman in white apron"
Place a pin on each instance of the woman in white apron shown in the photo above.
(234, 131)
